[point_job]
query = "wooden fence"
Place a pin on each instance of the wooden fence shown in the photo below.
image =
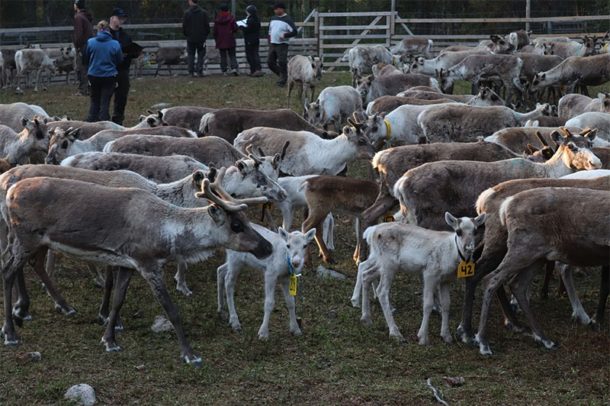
(327, 35)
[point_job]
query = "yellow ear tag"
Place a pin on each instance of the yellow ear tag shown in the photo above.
(465, 269)
(292, 286)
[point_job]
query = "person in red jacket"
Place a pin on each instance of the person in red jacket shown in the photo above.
(224, 35)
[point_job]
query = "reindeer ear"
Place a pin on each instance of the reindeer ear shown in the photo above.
(215, 212)
(283, 233)
(530, 149)
(479, 220)
(276, 161)
(451, 220)
(556, 136)
(211, 174)
(310, 235)
(591, 134)
(141, 118)
(198, 176)
(73, 133)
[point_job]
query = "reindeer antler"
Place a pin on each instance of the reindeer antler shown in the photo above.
(206, 192)
(566, 133)
(216, 186)
(541, 139)
(284, 149)
(252, 155)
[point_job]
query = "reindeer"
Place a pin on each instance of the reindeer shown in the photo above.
(540, 227)
(304, 70)
(119, 233)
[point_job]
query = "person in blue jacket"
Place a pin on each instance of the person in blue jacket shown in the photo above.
(102, 55)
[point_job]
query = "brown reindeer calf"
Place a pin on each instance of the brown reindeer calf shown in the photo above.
(336, 194)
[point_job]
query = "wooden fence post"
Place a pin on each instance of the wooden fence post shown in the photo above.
(528, 9)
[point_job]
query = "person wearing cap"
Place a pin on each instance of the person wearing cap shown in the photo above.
(252, 33)
(281, 29)
(83, 30)
(121, 92)
(196, 27)
(102, 54)
(224, 35)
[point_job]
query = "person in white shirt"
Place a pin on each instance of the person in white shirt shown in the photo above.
(281, 29)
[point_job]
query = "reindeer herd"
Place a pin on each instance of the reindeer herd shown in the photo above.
(469, 182)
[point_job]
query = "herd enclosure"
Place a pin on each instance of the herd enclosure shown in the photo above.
(336, 361)
(329, 34)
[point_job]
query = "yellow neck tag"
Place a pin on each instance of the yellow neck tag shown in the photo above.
(465, 269)
(292, 285)
(388, 128)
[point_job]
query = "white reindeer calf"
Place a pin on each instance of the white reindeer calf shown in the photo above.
(435, 254)
(285, 262)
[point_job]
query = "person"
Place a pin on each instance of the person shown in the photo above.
(281, 29)
(196, 27)
(117, 19)
(224, 29)
(83, 30)
(102, 55)
(252, 29)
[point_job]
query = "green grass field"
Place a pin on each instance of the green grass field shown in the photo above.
(336, 361)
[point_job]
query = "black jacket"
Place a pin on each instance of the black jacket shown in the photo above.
(196, 24)
(252, 30)
(125, 40)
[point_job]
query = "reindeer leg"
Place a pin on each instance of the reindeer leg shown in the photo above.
(604, 290)
(155, 280)
(10, 270)
(578, 312)
(519, 289)
(21, 308)
(123, 277)
(60, 303)
(550, 267)
(104, 311)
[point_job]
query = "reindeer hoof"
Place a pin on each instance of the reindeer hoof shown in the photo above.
(515, 328)
(20, 314)
(366, 321)
(484, 348)
(193, 360)
(111, 346)
(355, 303)
(397, 337)
(464, 336)
(11, 343)
(66, 311)
(594, 325)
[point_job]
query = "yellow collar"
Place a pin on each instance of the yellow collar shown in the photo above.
(388, 127)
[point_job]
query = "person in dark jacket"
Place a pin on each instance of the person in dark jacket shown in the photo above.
(281, 29)
(83, 30)
(224, 30)
(251, 27)
(121, 92)
(103, 55)
(196, 27)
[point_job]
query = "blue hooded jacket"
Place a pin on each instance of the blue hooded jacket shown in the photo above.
(103, 54)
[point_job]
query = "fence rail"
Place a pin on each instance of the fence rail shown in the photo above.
(327, 34)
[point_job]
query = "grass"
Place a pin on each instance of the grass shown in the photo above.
(336, 361)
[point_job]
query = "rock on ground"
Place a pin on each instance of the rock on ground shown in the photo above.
(82, 394)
